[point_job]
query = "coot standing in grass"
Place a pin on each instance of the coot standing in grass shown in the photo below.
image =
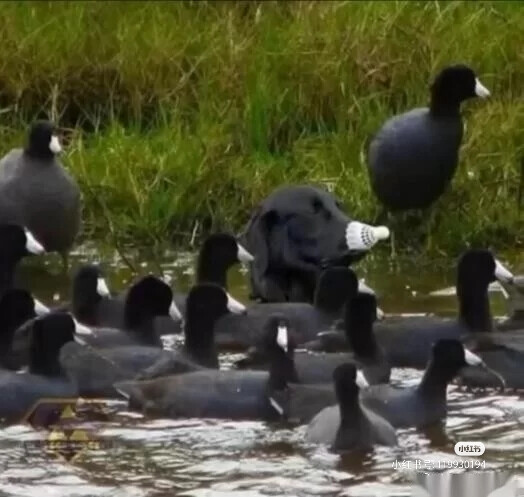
(37, 192)
(414, 156)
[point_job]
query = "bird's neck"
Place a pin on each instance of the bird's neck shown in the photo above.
(326, 304)
(435, 381)
(43, 155)
(142, 328)
(199, 343)
(350, 412)
(474, 309)
(211, 271)
(362, 340)
(439, 108)
(45, 362)
(83, 305)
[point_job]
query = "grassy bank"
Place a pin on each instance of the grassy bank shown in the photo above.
(184, 115)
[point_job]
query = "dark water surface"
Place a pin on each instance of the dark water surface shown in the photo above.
(204, 458)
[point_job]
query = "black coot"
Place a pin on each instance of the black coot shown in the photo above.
(219, 394)
(219, 252)
(355, 427)
(413, 157)
(360, 313)
(37, 192)
(407, 341)
(45, 379)
(424, 404)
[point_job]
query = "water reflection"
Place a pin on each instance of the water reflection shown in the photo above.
(204, 458)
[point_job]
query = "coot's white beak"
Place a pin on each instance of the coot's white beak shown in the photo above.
(235, 306)
(32, 245)
(363, 288)
(282, 339)
(480, 90)
(472, 359)
(54, 145)
(101, 288)
(174, 312)
(361, 380)
(502, 273)
(40, 309)
(81, 329)
(243, 255)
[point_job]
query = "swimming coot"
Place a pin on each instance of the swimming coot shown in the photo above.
(407, 341)
(219, 252)
(360, 313)
(219, 394)
(355, 427)
(425, 403)
(45, 379)
(147, 300)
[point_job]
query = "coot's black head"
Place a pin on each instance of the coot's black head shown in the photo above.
(47, 336)
(219, 252)
(16, 307)
(477, 268)
(89, 283)
(450, 356)
(224, 249)
(43, 142)
(17, 242)
(146, 299)
(453, 85)
(335, 286)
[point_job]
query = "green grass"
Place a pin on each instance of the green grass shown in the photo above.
(184, 115)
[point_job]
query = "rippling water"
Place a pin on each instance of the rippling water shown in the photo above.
(204, 458)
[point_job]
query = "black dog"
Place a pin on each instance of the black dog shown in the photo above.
(296, 232)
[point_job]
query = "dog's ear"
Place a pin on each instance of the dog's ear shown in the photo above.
(256, 239)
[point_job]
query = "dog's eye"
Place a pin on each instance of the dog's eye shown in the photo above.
(317, 205)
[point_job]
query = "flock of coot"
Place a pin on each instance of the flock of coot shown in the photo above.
(316, 347)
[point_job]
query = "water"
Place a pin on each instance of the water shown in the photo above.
(203, 458)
